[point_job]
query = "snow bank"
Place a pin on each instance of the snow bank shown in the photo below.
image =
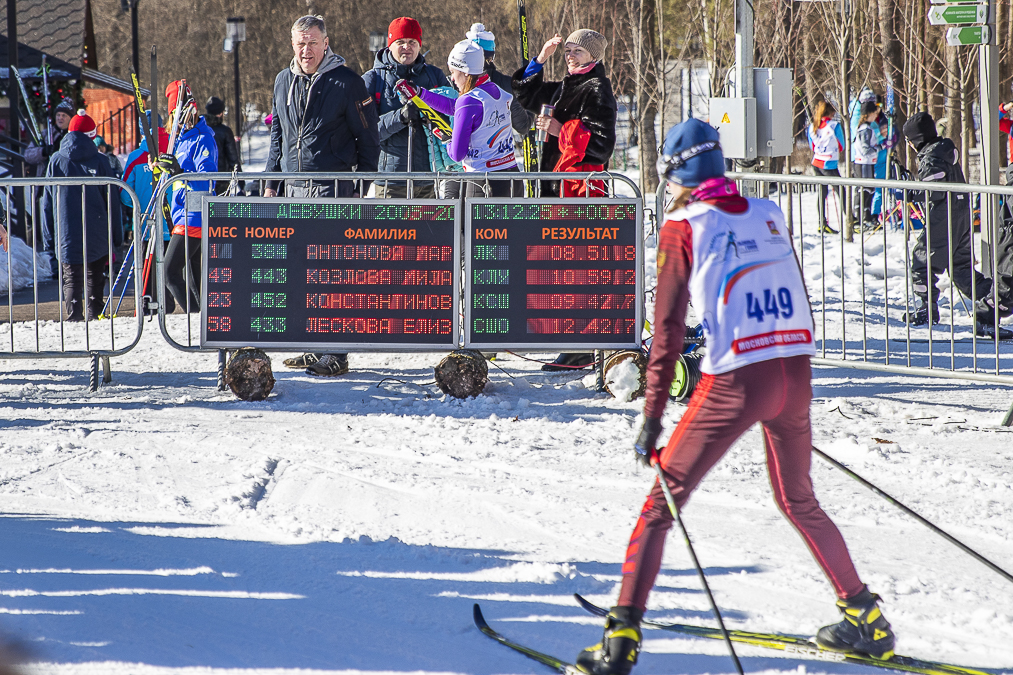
(20, 266)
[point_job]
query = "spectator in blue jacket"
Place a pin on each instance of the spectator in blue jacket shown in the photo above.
(402, 60)
(82, 238)
(138, 176)
(195, 152)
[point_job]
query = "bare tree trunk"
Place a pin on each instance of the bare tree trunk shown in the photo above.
(893, 60)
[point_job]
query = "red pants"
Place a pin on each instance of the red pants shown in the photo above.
(776, 393)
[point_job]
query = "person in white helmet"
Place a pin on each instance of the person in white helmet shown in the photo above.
(482, 139)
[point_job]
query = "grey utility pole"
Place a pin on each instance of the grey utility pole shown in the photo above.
(988, 81)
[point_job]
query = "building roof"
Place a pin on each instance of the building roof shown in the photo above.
(61, 29)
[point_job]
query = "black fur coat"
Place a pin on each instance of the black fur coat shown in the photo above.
(587, 97)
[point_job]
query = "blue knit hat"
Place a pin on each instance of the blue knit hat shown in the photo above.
(482, 37)
(691, 154)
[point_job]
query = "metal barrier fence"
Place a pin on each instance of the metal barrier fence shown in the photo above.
(183, 333)
(864, 292)
(41, 326)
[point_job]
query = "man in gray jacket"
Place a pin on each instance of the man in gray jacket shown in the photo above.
(323, 121)
(323, 118)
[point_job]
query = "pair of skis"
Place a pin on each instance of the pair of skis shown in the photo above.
(528, 143)
(148, 218)
(790, 644)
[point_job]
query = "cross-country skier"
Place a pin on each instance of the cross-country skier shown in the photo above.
(482, 139)
(826, 138)
(520, 119)
(196, 152)
(758, 327)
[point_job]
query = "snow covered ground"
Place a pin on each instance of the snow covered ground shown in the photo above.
(347, 525)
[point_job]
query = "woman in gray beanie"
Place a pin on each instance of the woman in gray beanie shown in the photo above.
(581, 132)
(582, 129)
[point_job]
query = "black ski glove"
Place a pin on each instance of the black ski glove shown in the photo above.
(169, 163)
(647, 440)
(410, 114)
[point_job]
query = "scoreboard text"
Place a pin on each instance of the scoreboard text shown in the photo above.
(561, 274)
(334, 273)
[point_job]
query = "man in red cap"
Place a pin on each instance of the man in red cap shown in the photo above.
(403, 144)
(195, 152)
(82, 237)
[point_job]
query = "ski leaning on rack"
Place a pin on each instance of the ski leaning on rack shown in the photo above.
(551, 661)
(34, 127)
(803, 647)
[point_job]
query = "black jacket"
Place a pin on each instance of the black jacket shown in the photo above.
(79, 157)
(520, 119)
(587, 97)
(380, 83)
(323, 122)
(939, 162)
(228, 152)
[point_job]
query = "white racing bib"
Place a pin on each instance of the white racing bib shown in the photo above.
(826, 147)
(747, 287)
(492, 144)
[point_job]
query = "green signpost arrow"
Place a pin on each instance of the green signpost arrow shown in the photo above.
(942, 15)
(973, 35)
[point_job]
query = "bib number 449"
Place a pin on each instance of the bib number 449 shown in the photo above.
(778, 304)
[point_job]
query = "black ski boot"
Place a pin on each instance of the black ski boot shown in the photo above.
(567, 361)
(617, 652)
(988, 330)
(920, 316)
(864, 629)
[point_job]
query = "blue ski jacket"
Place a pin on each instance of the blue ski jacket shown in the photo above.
(196, 152)
(138, 176)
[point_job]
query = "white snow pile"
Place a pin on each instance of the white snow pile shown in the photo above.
(20, 267)
(623, 380)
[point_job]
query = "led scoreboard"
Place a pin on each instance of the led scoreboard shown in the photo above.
(330, 274)
(558, 274)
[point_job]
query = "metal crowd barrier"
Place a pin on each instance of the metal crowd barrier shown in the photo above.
(862, 291)
(184, 333)
(37, 326)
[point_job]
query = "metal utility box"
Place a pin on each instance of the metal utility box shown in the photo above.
(735, 120)
(774, 114)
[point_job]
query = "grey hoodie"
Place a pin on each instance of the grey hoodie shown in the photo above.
(323, 122)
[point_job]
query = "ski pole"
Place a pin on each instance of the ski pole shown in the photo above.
(656, 463)
(938, 530)
(411, 144)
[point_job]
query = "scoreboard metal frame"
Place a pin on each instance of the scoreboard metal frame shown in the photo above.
(570, 345)
(452, 340)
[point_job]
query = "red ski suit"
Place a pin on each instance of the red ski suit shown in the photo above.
(776, 392)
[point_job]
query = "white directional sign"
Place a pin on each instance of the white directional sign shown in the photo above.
(971, 35)
(942, 15)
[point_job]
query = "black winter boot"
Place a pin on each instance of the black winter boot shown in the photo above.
(567, 361)
(920, 316)
(864, 629)
(617, 652)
